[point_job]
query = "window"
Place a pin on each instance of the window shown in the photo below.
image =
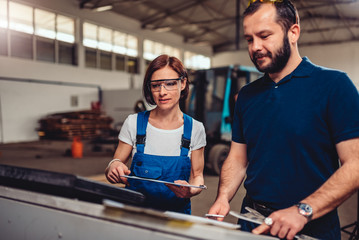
(119, 42)
(91, 57)
(90, 35)
(3, 42)
(107, 49)
(21, 18)
(152, 49)
(196, 61)
(67, 53)
(65, 27)
(3, 14)
(45, 50)
(105, 39)
(3, 28)
(120, 62)
(21, 45)
(105, 60)
(132, 45)
(36, 34)
(45, 24)
(132, 65)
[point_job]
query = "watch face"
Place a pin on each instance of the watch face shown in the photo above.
(305, 209)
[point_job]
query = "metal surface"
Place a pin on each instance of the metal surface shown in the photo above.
(30, 215)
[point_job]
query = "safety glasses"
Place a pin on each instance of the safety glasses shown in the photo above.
(291, 7)
(263, 1)
(168, 84)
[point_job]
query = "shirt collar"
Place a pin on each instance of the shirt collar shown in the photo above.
(303, 70)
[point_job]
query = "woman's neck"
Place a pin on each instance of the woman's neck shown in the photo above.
(168, 119)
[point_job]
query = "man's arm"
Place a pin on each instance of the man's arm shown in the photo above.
(342, 184)
(339, 187)
(232, 174)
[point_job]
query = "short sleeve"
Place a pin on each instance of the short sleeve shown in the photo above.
(343, 109)
(128, 130)
(198, 139)
(237, 129)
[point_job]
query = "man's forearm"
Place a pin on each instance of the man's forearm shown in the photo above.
(339, 187)
(232, 175)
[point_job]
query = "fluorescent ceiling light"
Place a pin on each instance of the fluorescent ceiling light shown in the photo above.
(103, 8)
(163, 29)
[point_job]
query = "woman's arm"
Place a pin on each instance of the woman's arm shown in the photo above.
(196, 177)
(119, 167)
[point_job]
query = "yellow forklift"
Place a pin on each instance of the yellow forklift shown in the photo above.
(211, 101)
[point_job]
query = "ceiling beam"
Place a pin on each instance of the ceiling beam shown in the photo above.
(314, 30)
(83, 3)
(331, 17)
(324, 3)
(166, 13)
(328, 42)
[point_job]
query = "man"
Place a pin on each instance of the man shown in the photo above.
(295, 133)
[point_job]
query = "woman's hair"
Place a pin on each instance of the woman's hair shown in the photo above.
(287, 14)
(159, 63)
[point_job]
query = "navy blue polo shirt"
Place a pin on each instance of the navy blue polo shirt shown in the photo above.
(291, 129)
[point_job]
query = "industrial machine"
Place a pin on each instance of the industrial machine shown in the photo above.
(38, 204)
(211, 101)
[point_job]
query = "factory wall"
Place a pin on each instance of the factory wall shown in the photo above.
(30, 90)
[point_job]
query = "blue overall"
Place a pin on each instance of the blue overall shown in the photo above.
(166, 168)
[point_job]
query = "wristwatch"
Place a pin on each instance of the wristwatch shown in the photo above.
(305, 210)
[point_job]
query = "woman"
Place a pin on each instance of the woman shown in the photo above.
(166, 144)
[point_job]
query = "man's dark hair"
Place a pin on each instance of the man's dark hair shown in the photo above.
(287, 14)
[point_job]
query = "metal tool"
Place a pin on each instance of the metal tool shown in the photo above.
(256, 217)
(214, 215)
(165, 182)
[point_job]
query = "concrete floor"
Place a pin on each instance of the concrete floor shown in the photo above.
(55, 156)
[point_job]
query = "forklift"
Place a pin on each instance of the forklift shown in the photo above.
(211, 101)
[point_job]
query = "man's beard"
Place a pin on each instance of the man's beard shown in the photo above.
(279, 61)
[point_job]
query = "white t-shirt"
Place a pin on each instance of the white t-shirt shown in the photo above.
(159, 141)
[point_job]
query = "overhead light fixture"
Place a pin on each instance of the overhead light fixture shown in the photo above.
(163, 29)
(103, 8)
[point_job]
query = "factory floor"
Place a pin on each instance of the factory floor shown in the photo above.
(56, 156)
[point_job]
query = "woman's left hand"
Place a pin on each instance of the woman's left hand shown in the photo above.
(180, 191)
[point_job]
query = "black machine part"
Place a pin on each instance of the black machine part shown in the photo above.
(66, 185)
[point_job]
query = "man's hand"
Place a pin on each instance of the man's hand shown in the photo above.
(286, 223)
(220, 207)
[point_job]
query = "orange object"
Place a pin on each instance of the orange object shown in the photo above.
(77, 148)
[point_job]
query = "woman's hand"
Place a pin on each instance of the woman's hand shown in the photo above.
(183, 192)
(180, 191)
(119, 168)
(115, 170)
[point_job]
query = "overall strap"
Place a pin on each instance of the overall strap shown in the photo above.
(186, 137)
(142, 120)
